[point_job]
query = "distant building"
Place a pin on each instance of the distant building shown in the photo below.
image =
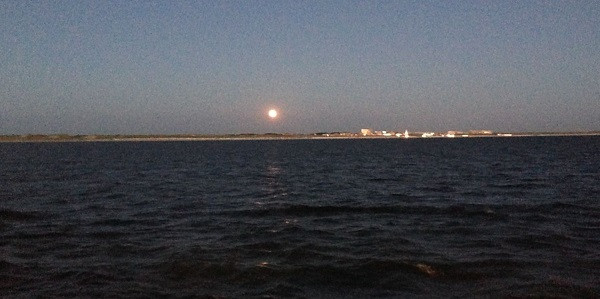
(481, 132)
(452, 134)
(366, 132)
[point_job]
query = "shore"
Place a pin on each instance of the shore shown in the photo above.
(268, 136)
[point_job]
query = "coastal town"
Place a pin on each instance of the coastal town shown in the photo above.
(449, 134)
(370, 133)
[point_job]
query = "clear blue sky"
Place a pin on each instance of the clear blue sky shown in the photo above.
(88, 67)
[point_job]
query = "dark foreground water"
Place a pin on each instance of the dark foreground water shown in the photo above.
(302, 218)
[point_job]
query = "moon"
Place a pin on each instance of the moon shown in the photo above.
(272, 113)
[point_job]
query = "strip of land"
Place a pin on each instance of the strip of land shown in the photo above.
(267, 136)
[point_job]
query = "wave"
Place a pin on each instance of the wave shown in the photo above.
(401, 277)
(329, 210)
(12, 215)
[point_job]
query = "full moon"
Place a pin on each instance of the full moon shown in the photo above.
(272, 113)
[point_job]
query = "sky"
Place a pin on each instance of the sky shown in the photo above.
(213, 67)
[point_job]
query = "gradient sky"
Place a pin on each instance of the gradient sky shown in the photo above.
(91, 67)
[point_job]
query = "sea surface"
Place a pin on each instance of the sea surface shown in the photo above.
(465, 217)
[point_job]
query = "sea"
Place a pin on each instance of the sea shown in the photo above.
(335, 218)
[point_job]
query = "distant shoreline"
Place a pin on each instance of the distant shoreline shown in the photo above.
(269, 136)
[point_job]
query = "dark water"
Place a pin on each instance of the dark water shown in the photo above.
(302, 218)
